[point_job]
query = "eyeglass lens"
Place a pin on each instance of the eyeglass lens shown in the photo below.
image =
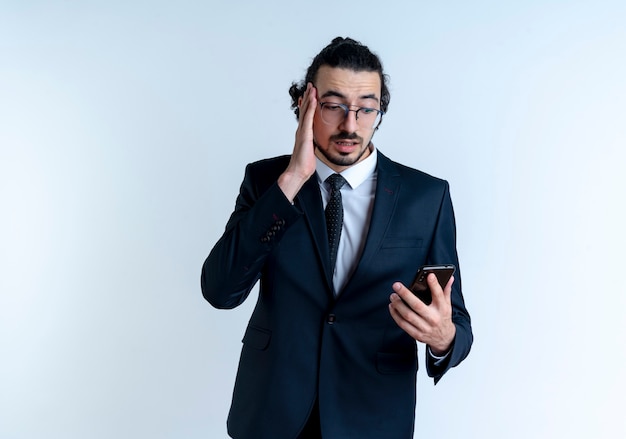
(335, 114)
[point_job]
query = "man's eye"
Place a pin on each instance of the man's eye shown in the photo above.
(333, 107)
(367, 110)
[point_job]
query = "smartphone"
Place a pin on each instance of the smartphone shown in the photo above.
(419, 287)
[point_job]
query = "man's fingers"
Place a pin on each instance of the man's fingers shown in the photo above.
(311, 104)
(403, 314)
(447, 291)
(305, 100)
(410, 299)
(425, 323)
(439, 294)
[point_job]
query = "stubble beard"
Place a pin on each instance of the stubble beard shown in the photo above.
(343, 159)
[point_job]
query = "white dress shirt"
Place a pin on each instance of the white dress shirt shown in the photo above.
(358, 200)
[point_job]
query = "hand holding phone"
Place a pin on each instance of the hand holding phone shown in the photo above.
(419, 286)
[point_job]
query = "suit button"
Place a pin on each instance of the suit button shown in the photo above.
(331, 318)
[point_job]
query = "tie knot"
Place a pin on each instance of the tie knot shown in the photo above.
(336, 181)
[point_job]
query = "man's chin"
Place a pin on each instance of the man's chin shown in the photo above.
(339, 159)
(343, 159)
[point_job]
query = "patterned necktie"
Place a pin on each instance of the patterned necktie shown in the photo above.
(334, 215)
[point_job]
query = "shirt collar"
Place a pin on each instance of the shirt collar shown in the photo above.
(355, 174)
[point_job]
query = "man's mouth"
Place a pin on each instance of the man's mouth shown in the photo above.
(346, 143)
(346, 146)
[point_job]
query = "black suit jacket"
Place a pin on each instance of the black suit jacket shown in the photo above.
(303, 343)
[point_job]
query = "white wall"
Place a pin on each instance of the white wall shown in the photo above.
(124, 131)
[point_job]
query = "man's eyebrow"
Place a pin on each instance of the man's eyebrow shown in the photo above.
(369, 96)
(342, 96)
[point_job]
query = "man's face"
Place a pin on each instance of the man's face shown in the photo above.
(342, 144)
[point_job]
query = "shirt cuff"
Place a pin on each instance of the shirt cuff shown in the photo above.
(438, 359)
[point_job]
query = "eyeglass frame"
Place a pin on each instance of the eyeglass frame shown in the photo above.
(347, 109)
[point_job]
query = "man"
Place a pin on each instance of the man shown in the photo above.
(330, 350)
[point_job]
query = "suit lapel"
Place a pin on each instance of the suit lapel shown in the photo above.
(385, 201)
(309, 200)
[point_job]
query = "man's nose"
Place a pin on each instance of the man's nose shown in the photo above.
(350, 123)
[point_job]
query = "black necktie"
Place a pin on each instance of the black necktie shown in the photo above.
(334, 215)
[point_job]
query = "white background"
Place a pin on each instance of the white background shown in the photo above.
(125, 127)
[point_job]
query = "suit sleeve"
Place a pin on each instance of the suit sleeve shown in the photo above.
(262, 215)
(443, 251)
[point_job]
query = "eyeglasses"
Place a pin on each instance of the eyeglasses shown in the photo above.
(334, 114)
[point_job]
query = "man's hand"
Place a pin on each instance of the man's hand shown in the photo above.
(429, 324)
(302, 164)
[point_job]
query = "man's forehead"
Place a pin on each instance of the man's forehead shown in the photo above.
(347, 82)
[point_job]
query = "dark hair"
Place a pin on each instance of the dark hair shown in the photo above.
(344, 53)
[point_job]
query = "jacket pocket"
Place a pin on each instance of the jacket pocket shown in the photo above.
(396, 362)
(257, 338)
(392, 242)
